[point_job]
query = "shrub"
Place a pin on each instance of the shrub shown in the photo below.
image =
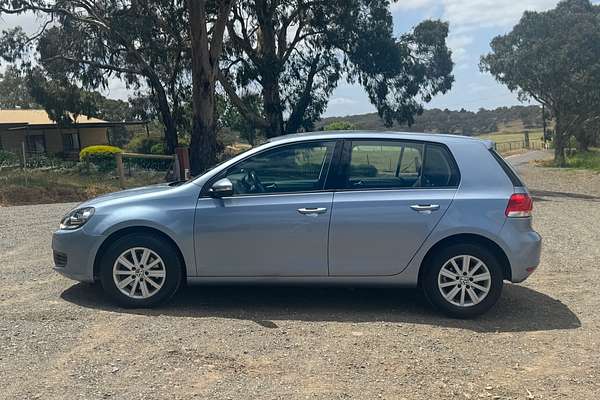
(158, 148)
(340, 126)
(8, 159)
(103, 157)
(143, 144)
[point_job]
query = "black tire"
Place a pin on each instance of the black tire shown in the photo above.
(164, 249)
(435, 263)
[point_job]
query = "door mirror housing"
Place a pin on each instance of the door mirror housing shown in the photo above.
(221, 188)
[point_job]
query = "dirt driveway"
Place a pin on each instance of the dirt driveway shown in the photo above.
(60, 339)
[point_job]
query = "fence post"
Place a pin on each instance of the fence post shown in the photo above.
(24, 155)
(120, 169)
(527, 144)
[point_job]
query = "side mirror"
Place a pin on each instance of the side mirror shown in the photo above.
(221, 188)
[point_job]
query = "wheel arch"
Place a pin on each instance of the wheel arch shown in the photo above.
(137, 230)
(471, 238)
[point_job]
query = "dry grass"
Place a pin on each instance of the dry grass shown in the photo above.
(42, 186)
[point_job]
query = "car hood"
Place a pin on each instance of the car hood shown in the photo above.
(161, 187)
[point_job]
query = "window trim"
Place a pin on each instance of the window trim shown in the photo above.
(204, 192)
(345, 160)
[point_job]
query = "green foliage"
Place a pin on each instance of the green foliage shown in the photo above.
(158, 148)
(340, 126)
(230, 117)
(103, 157)
(585, 160)
(295, 53)
(14, 92)
(8, 159)
(142, 143)
(554, 58)
(142, 44)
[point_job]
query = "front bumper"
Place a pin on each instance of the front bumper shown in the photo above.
(74, 253)
(524, 247)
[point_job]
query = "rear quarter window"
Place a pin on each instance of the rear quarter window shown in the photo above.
(512, 175)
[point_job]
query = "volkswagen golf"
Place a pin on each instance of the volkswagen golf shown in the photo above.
(440, 212)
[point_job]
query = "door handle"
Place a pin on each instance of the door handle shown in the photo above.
(312, 211)
(425, 208)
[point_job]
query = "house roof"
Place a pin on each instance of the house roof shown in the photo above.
(38, 117)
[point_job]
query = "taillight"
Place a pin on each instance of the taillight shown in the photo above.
(519, 206)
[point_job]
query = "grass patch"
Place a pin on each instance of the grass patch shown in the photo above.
(41, 186)
(588, 160)
(503, 137)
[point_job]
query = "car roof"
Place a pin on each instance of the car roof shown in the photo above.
(430, 137)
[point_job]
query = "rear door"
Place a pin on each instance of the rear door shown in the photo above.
(391, 195)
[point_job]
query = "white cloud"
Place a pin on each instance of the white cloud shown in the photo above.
(466, 15)
(459, 44)
(411, 4)
(341, 101)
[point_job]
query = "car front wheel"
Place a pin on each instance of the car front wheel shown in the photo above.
(140, 270)
(463, 280)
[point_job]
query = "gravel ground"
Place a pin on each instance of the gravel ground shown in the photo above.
(63, 340)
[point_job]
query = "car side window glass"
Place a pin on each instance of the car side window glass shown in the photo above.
(439, 169)
(384, 165)
(294, 168)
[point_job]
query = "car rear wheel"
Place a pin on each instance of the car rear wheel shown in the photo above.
(140, 270)
(463, 280)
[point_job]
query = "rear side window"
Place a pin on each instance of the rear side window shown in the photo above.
(388, 164)
(439, 168)
(512, 175)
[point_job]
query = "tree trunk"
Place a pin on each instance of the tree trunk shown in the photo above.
(270, 69)
(272, 106)
(166, 116)
(203, 145)
(560, 142)
(171, 140)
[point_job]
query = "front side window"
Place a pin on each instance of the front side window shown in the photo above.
(295, 168)
(399, 164)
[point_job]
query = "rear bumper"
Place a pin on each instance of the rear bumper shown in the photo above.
(524, 247)
(74, 253)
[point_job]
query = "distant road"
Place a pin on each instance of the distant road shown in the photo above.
(519, 160)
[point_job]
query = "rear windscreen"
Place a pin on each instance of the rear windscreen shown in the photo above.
(512, 175)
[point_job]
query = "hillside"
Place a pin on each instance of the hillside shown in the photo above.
(500, 120)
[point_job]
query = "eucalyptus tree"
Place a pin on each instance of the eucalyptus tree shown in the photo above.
(13, 90)
(207, 24)
(145, 43)
(294, 53)
(553, 57)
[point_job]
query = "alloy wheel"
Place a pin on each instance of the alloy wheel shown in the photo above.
(139, 273)
(464, 281)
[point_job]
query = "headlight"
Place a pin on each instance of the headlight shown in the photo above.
(76, 218)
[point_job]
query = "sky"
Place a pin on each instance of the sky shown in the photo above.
(473, 24)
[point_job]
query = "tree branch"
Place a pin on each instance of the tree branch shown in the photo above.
(257, 120)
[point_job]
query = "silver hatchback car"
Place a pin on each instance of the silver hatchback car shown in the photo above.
(445, 213)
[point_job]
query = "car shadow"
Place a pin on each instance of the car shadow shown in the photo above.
(520, 308)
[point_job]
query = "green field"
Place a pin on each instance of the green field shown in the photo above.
(503, 137)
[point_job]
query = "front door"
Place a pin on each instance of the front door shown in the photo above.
(393, 195)
(277, 221)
